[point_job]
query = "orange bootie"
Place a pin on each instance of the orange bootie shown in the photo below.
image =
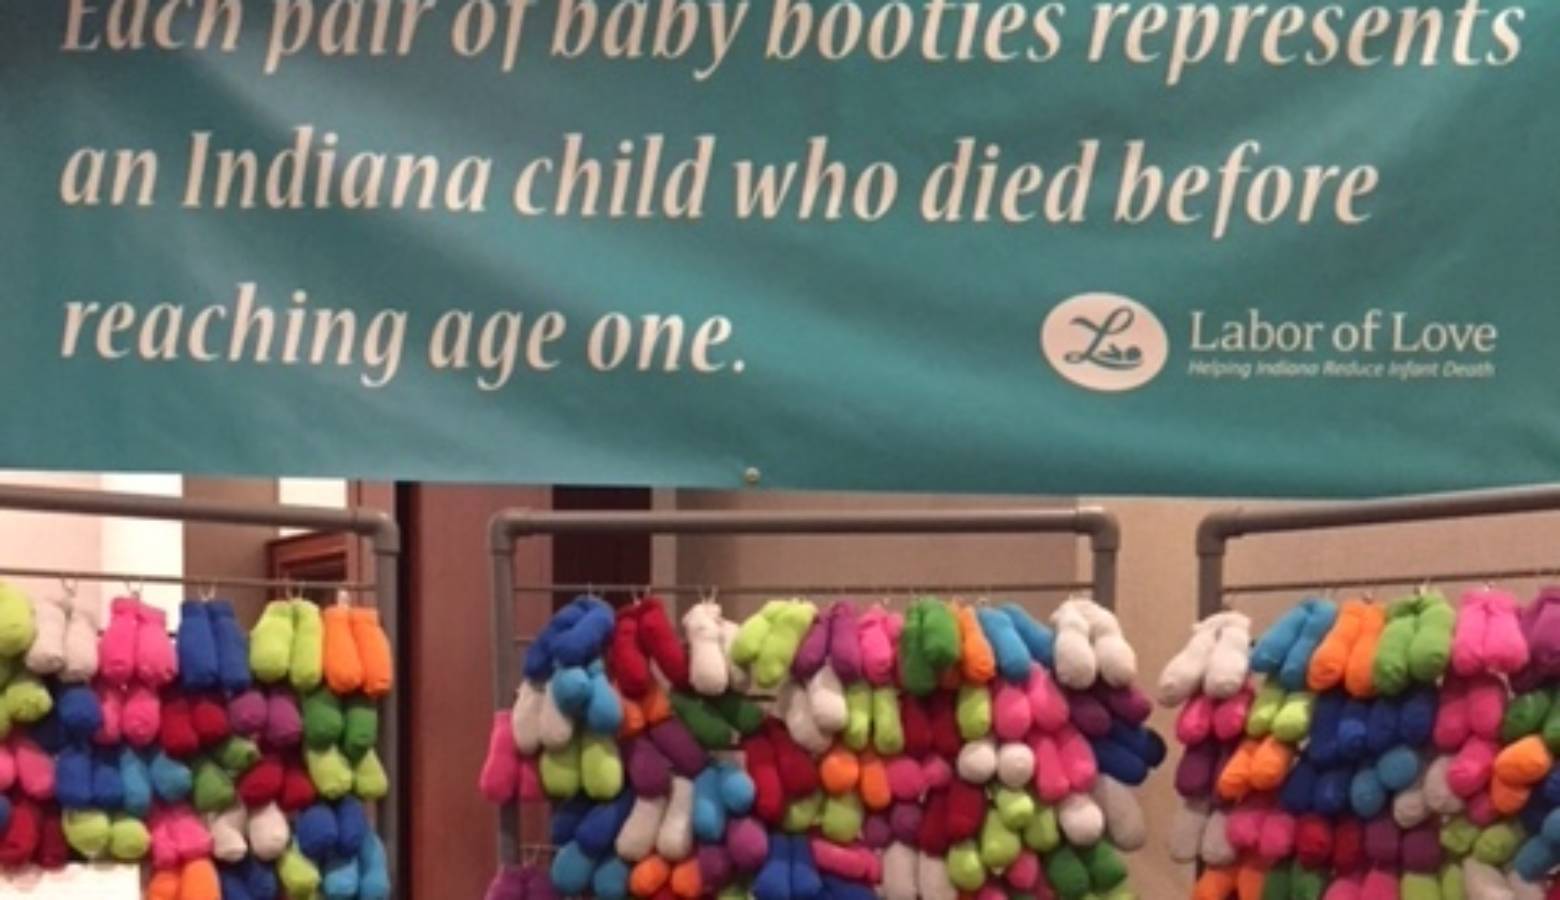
(1359, 678)
(1270, 763)
(164, 886)
(1508, 798)
(1331, 659)
(1249, 881)
(840, 771)
(876, 794)
(199, 881)
(1235, 778)
(1215, 884)
(633, 719)
(343, 665)
(656, 705)
(649, 875)
(686, 881)
(1525, 762)
(976, 658)
(373, 647)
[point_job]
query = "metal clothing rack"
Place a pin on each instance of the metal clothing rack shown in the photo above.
(1218, 529)
(508, 526)
(375, 526)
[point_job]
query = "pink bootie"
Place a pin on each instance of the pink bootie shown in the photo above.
(1195, 723)
(155, 663)
(142, 717)
(1047, 705)
(116, 649)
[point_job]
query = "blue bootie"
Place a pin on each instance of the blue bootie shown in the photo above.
(73, 778)
(1297, 662)
(80, 714)
(373, 870)
(1012, 655)
(232, 648)
(171, 779)
(197, 647)
(1040, 640)
(316, 833)
(137, 783)
(572, 870)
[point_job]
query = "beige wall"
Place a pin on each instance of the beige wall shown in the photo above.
(911, 561)
(230, 550)
(1158, 592)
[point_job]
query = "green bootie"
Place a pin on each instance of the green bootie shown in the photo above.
(973, 711)
(1044, 833)
(801, 815)
(87, 832)
(999, 845)
(888, 733)
(1525, 715)
(915, 671)
(1067, 874)
(1497, 844)
(1306, 884)
(300, 878)
(26, 699)
(1292, 722)
(307, 667)
(323, 721)
(360, 733)
(601, 767)
(1264, 708)
(1452, 886)
(214, 789)
(964, 866)
(1017, 808)
(706, 726)
(128, 839)
(1431, 648)
(858, 716)
(1457, 837)
(237, 755)
(1390, 673)
(841, 818)
(1106, 870)
(560, 771)
(740, 713)
(369, 779)
(271, 642)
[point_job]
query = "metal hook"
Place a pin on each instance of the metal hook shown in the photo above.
(208, 592)
(68, 585)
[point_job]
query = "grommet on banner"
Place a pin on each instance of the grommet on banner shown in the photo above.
(751, 475)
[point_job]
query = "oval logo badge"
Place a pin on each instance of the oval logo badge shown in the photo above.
(1104, 342)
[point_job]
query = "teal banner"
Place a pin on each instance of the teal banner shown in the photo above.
(1296, 249)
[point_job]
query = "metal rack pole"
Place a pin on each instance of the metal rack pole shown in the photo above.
(377, 527)
(507, 526)
(1217, 529)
